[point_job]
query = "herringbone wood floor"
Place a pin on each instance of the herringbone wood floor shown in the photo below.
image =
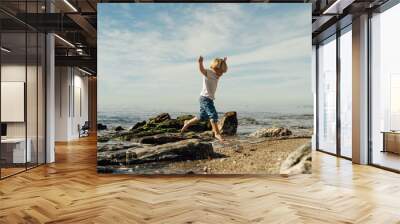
(70, 191)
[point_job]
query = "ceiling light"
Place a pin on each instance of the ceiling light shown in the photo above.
(70, 5)
(79, 51)
(65, 41)
(84, 71)
(5, 50)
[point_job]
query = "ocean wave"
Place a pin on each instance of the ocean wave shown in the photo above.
(247, 121)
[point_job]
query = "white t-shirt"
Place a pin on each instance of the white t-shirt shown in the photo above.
(210, 83)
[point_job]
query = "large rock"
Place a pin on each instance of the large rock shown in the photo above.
(117, 146)
(138, 125)
(159, 118)
(119, 128)
(271, 132)
(204, 136)
(114, 154)
(117, 157)
(229, 123)
(197, 127)
(170, 123)
(153, 122)
(103, 138)
(191, 149)
(200, 126)
(129, 136)
(163, 123)
(161, 139)
(101, 127)
(184, 118)
(299, 161)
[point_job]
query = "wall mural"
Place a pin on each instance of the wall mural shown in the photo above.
(204, 88)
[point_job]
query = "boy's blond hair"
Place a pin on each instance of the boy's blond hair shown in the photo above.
(219, 64)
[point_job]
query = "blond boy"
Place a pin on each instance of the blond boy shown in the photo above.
(207, 96)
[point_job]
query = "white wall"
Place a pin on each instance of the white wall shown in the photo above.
(80, 108)
(62, 81)
(70, 84)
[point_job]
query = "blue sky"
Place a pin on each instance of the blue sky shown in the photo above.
(147, 55)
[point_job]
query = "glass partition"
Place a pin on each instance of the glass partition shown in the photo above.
(327, 95)
(385, 89)
(346, 93)
(22, 66)
(14, 153)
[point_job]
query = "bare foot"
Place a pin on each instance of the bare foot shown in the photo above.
(219, 137)
(184, 126)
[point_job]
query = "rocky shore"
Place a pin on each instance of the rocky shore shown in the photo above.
(157, 146)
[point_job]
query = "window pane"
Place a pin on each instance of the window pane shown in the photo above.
(346, 94)
(327, 96)
(386, 89)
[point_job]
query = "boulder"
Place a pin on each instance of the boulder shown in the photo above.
(159, 118)
(183, 118)
(138, 125)
(119, 128)
(117, 157)
(206, 135)
(170, 123)
(298, 161)
(163, 123)
(191, 149)
(114, 154)
(145, 132)
(161, 139)
(101, 127)
(103, 138)
(271, 132)
(229, 123)
(117, 146)
(200, 126)
(155, 121)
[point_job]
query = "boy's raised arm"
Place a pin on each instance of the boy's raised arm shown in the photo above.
(201, 66)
